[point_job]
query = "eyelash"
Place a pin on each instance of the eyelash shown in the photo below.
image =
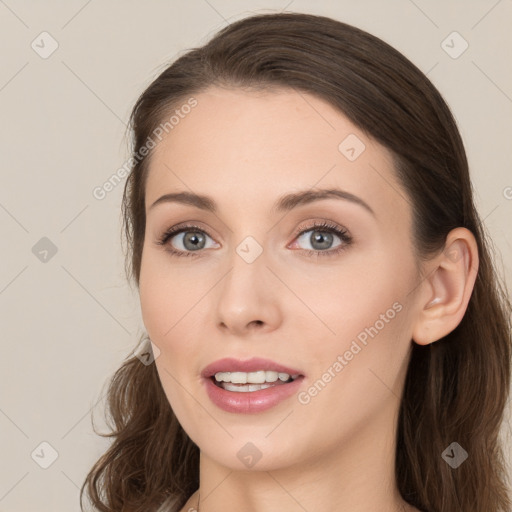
(323, 227)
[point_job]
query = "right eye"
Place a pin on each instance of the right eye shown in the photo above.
(185, 240)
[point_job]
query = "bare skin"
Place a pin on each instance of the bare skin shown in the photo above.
(334, 449)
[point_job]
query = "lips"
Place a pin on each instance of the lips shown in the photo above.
(251, 402)
(250, 365)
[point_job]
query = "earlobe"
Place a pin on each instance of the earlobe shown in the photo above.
(448, 286)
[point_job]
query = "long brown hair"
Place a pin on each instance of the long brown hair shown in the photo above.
(456, 389)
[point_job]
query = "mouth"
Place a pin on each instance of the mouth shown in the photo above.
(251, 398)
(250, 386)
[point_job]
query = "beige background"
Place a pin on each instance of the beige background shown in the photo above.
(68, 323)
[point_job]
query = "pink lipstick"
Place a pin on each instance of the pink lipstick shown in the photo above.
(250, 386)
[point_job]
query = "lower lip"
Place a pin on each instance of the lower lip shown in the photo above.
(251, 401)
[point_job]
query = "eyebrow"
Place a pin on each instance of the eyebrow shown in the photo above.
(283, 204)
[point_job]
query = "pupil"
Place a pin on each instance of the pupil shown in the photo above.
(324, 239)
(196, 239)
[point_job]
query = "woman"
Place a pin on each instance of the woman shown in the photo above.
(329, 332)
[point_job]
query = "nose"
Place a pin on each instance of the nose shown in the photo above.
(247, 299)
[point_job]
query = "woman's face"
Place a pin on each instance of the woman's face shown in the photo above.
(256, 278)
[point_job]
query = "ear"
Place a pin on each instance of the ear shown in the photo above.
(447, 288)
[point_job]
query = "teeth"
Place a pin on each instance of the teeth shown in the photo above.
(258, 377)
(245, 389)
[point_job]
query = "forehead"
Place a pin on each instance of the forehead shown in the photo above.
(258, 145)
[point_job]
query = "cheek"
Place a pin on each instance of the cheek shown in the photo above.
(357, 361)
(174, 306)
(156, 306)
(163, 296)
(364, 304)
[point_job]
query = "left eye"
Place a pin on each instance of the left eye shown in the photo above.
(318, 240)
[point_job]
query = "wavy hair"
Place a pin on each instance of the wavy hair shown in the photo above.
(456, 389)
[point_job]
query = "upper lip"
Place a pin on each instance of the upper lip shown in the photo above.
(250, 365)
